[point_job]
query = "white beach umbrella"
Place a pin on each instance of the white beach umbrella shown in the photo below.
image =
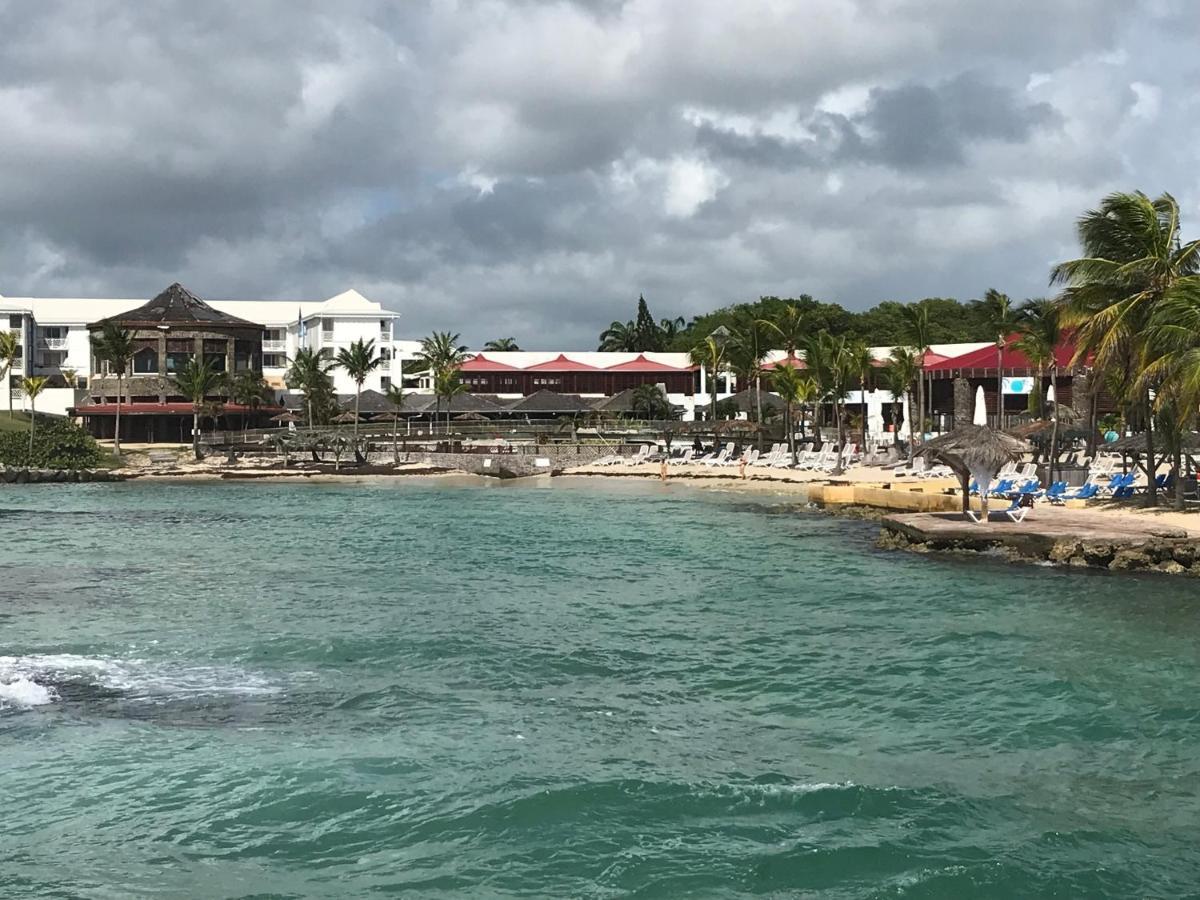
(1050, 394)
(980, 408)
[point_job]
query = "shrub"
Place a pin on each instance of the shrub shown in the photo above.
(57, 444)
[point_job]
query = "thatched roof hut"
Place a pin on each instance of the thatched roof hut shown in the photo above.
(975, 451)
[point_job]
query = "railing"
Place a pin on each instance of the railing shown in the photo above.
(274, 346)
(54, 343)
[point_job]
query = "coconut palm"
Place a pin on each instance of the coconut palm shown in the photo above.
(619, 337)
(114, 345)
(862, 361)
(746, 351)
(395, 396)
(710, 353)
(1040, 336)
(648, 402)
(1002, 319)
(1134, 267)
(69, 376)
(309, 372)
(196, 381)
(900, 373)
(502, 345)
(359, 360)
(833, 364)
(446, 386)
(33, 386)
(248, 390)
(791, 326)
(795, 389)
(669, 329)
(10, 350)
(919, 335)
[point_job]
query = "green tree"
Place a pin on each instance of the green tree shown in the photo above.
(114, 345)
(918, 333)
(248, 390)
(502, 345)
(646, 331)
(1134, 266)
(33, 385)
(796, 389)
(650, 403)
(10, 350)
(790, 326)
(710, 353)
(395, 396)
(860, 359)
(358, 360)
(197, 380)
(668, 330)
(900, 374)
(309, 373)
(442, 355)
(1041, 334)
(746, 350)
(1002, 318)
(447, 385)
(619, 337)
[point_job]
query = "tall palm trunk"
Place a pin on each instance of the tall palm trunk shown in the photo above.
(758, 398)
(917, 435)
(1053, 429)
(396, 438)
(32, 425)
(308, 402)
(1177, 472)
(116, 426)
(196, 432)
(11, 414)
(791, 432)
(1151, 488)
(712, 384)
(863, 396)
(841, 430)
(1000, 384)
(895, 422)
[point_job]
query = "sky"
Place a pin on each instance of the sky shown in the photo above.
(524, 168)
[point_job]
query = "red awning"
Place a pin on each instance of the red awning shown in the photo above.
(164, 409)
(561, 364)
(986, 358)
(481, 363)
(641, 364)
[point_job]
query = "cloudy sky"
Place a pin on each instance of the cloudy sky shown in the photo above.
(515, 167)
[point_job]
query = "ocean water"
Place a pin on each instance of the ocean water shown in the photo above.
(572, 690)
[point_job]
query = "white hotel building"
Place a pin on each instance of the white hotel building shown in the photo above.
(53, 336)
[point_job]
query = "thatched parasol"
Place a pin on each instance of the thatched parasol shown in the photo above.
(744, 426)
(471, 417)
(346, 418)
(1041, 430)
(285, 417)
(975, 451)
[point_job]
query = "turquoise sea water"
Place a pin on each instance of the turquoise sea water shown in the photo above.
(583, 690)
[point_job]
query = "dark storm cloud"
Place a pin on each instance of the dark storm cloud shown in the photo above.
(528, 167)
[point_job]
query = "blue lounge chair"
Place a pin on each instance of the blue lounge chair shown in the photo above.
(1086, 492)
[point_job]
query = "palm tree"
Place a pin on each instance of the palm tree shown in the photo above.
(919, 335)
(33, 386)
(791, 326)
(10, 349)
(309, 371)
(502, 345)
(1173, 363)
(710, 353)
(1040, 337)
(359, 361)
(197, 380)
(833, 364)
(746, 352)
(114, 345)
(862, 361)
(901, 371)
(247, 389)
(1134, 267)
(795, 389)
(619, 337)
(1002, 318)
(69, 376)
(669, 329)
(442, 356)
(447, 385)
(649, 402)
(395, 396)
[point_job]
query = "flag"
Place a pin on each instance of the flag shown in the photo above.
(299, 323)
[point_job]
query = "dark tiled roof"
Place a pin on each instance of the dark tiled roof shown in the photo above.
(370, 401)
(747, 400)
(178, 306)
(551, 402)
(463, 403)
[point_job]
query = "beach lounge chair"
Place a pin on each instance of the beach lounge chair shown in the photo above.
(683, 459)
(719, 459)
(1085, 492)
(1015, 512)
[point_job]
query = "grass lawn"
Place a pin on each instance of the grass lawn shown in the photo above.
(20, 420)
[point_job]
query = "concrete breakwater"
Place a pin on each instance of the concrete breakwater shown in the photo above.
(1070, 538)
(23, 475)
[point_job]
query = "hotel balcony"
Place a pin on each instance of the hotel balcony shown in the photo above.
(274, 346)
(53, 343)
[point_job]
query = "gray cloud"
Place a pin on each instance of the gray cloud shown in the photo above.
(529, 167)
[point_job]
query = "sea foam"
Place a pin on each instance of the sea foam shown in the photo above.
(23, 693)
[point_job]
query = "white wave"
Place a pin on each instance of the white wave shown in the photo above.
(24, 693)
(135, 677)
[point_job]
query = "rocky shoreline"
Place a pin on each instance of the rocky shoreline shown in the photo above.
(24, 475)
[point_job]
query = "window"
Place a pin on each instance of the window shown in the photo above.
(14, 320)
(216, 361)
(274, 361)
(385, 382)
(51, 359)
(177, 361)
(385, 354)
(145, 361)
(385, 329)
(327, 328)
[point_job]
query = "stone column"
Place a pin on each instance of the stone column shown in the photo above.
(964, 400)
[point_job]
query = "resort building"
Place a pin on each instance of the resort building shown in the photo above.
(53, 337)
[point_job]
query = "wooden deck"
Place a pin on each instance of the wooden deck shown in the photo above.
(1041, 525)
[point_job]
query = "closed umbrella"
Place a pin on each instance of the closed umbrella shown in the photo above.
(980, 417)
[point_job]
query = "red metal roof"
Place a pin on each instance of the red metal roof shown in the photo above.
(641, 364)
(986, 358)
(561, 364)
(481, 363)
(163, 409)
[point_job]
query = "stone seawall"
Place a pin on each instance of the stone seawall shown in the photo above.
(544, 460)
(16, 475)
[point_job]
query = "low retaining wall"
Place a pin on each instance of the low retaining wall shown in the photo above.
(908, 498)
(15, 475)
(543, 460)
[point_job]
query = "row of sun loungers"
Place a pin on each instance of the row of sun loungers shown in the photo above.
(778, 457)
